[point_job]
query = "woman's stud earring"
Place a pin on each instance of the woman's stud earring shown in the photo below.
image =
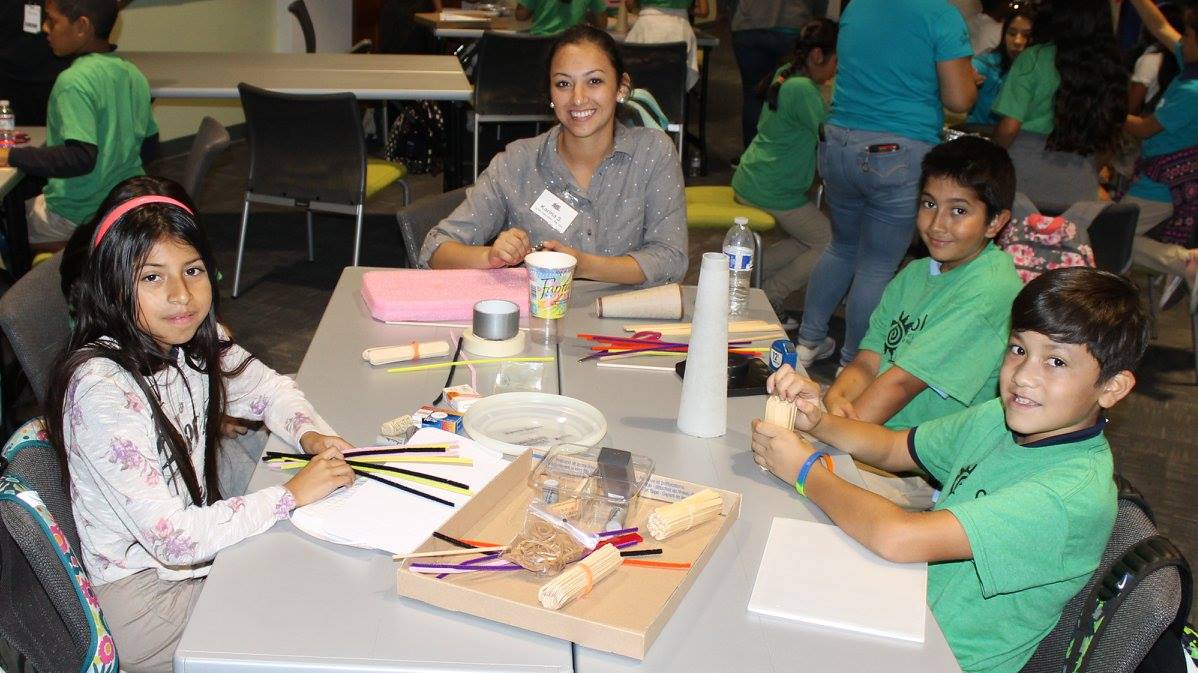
(551, 105)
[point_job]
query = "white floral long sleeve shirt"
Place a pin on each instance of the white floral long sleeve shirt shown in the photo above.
(132, 511)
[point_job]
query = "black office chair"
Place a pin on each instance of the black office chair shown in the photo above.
(661, 69)
(33, 316)
(1112, 235)
(417, 219)
(509, 84)
(300, 10)
(211, 139)
(1140, 616)
(308, 151)
(44, 612)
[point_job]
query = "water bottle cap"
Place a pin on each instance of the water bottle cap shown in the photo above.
(741, 220)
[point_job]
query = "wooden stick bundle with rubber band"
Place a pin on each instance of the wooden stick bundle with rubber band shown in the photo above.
(580, 578)
(406, 352)
(780, 412)
(676, 517)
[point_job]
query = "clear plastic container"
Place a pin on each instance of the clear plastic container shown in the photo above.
(595, 488)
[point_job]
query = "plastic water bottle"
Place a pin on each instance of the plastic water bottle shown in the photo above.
(738, 246)
(8, 125)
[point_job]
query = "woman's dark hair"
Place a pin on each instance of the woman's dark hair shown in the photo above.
(816, 34)
(1175, 15)
(1024, 12)
(1080, 305)
(106, 325)
(1090, 105)
(584, 32)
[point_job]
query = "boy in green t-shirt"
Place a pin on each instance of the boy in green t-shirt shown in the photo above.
(98, 124)
(550, 17)
(936, 338)
(1029, 500)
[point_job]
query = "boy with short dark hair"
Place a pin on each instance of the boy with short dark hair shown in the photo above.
(936, 338)
(1029, 500)
(98, 125)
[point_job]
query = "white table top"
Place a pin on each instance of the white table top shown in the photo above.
(368, 76)
(9, 176)
(472, 30)
(268, 596)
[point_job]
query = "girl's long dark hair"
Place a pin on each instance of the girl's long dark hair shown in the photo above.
(816, 34)
(1005, 59)
(105, 305)
(1091, 104)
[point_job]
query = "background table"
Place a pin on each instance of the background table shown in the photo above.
(368, 76)
(283, 600)
(9, 176)
(13, 194)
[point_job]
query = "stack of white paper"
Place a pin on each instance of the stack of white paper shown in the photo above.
(815, 573)
(375, 516)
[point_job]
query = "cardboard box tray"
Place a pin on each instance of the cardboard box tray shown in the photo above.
(623, 614)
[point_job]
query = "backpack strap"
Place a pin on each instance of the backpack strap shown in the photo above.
(1142, 560)
(1126, 491)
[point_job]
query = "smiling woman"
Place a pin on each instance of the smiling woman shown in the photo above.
(608, 195)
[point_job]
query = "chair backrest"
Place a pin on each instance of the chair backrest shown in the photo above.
(300, 10)
(660, 68)
(48, 611)
(418, 218)
(512, 79)
(306, 147)
(33, 315)
(1112, 235)
(211, 139)
(1141, 618)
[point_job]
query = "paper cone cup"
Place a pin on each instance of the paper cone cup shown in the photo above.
(664, 301)
(703, 409)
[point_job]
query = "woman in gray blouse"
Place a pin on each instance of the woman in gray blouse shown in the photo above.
(610, 196)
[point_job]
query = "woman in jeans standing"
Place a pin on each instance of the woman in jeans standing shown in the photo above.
(900, 62)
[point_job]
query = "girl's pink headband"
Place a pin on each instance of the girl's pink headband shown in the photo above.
(136, 202)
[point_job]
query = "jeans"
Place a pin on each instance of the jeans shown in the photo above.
(872, 197)
(758, 53)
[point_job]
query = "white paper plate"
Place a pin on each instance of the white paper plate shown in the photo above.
(513, 422)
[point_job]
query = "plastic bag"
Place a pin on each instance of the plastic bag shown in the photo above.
(548, 543)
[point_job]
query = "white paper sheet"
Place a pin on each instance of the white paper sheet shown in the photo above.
(816, 573)
(372, 515)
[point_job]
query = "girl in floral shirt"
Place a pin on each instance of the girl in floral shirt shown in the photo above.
(134, 412)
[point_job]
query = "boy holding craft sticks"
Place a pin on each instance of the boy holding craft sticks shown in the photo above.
(1029, 500)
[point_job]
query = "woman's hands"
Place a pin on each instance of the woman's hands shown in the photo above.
(509, 248)
(324, 473)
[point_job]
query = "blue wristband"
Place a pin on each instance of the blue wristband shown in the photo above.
(801, 482)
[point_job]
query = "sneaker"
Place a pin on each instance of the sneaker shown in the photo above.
(1169, 294)
(789, 323)
(809, 354)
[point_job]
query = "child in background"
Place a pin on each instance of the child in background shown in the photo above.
(776, 171)
(1152, 69)
(993, 65)
(134, 413)
(936, 339)
(551, 17)
(661, 21)
(1171, 128)
(1029, 500)
(1063, 103)
(99, 124)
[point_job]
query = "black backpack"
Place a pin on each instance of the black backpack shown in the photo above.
(417, 138)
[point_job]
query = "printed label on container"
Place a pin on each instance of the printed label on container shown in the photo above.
(739, 259)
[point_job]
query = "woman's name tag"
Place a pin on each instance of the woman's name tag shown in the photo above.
(556, 213)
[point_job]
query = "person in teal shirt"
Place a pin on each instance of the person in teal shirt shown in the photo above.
(1171, 128)
(1030, 470)
(776, 172)
(936, 339)
(99, 124)
(994, 64)
(552, 17)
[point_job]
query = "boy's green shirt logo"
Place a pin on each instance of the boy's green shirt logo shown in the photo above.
(900, 327)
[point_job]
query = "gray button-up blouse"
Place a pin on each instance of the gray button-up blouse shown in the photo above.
(634, 205)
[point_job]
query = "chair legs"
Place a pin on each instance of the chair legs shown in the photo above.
(311, 239)
(358, 233)
(1194, 339)
(476, 149)
(758, 273)
(245, 220)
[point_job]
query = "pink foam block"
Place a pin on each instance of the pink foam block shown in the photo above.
(417, 294)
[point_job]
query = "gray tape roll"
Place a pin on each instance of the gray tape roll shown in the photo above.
(496, 319)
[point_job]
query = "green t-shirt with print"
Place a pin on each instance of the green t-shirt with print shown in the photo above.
(1028, 91)
(777, 169)
(102, 100)
(550, 17)
(668, 4)
(1037, 517)
(947, 329)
